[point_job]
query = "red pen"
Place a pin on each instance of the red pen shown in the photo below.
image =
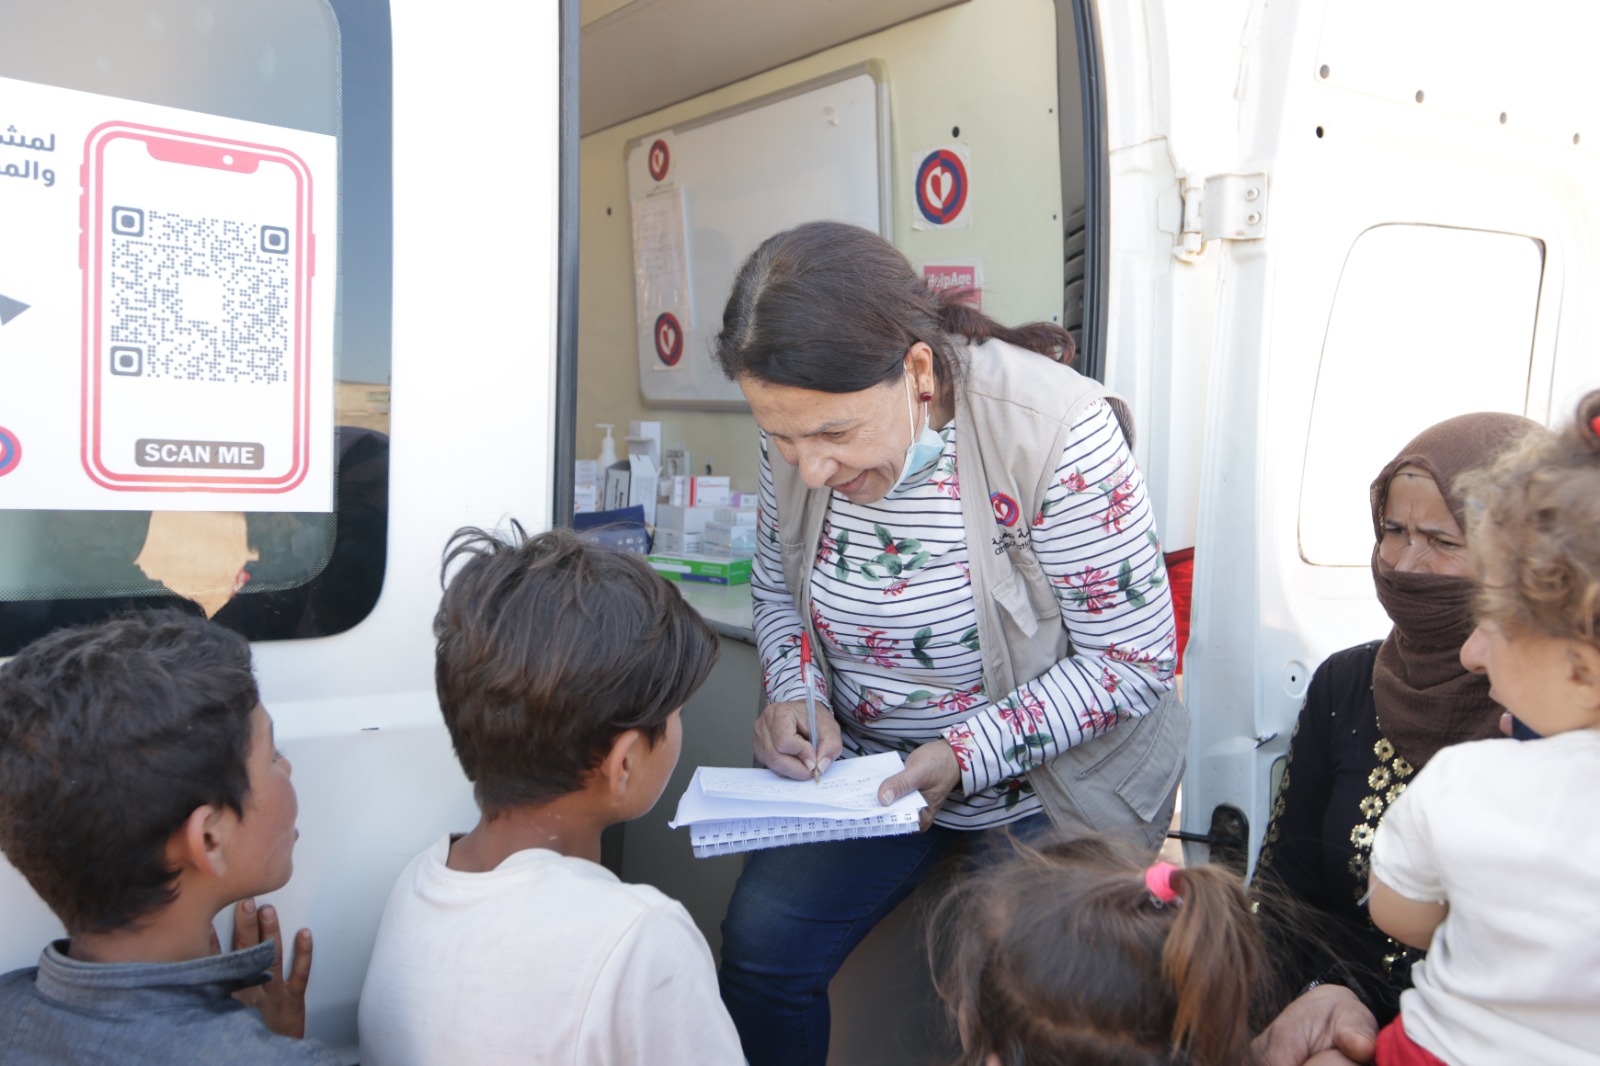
(811, 705)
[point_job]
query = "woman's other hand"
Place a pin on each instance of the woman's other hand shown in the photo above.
(782, 744)
(1323, 1026)
(932, 770)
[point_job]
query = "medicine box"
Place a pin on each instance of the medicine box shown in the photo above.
(735, 516)
(676, 541)
(631, 482)
(691, 567)
(721, 551)
(683, 519)
(742, 539)
(699, 491)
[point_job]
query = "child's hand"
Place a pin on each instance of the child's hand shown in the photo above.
(282, 1003)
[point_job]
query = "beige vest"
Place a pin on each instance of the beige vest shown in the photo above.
(1015, 409)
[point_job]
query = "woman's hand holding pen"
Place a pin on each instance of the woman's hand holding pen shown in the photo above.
(781, 742)
(932, 770)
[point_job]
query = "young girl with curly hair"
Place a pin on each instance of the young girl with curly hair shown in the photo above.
(1490, 860)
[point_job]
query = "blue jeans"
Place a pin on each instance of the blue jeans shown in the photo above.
(797, 913)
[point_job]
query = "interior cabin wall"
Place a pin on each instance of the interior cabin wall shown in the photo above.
(982, 73)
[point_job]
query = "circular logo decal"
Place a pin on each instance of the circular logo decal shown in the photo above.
(941, 186)
(10, 451)
(669, 338)
(659, 160)
(1005, 508)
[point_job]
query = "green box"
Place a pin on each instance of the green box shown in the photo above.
(713, 570)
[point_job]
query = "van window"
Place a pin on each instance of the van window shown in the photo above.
(321, 66)
(1427, 322)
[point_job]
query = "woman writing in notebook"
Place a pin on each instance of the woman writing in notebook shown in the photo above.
(953, 518)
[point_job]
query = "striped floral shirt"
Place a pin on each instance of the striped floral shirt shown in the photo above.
(892, 603)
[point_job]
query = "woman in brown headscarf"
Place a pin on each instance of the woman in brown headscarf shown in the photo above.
(1376, 713)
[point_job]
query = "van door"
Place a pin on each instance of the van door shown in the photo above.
(1409, 220)
(439, 135)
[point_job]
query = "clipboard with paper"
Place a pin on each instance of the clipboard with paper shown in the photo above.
(732, 810)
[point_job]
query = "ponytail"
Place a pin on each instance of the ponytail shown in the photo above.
(958, 318)
(1066, 954)
(1212, 961)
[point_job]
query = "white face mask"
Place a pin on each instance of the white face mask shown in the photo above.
(923, 451)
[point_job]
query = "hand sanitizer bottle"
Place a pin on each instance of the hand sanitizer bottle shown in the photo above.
(608, 448)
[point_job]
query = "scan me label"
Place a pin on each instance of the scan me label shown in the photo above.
(199, 454)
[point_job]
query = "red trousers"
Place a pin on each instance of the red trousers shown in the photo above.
(1395, 1048)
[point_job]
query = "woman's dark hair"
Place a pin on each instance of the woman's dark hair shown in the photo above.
(832, 307)
(1061, 955)
(111, 735)
(550, 646)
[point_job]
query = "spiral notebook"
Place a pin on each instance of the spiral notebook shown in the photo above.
(729, 810)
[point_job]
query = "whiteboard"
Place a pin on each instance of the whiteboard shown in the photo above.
(705, 193)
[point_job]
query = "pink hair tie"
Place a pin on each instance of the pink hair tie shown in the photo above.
(1158, 879)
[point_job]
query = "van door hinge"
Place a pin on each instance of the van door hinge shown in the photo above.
(1229, 207)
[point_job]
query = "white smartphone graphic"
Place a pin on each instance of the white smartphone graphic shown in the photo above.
(197, 262)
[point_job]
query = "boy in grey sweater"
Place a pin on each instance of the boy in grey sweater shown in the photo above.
(140, 794)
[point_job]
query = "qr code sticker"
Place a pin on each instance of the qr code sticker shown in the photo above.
(199, 299)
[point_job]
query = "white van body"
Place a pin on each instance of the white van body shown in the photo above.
(1309, 229)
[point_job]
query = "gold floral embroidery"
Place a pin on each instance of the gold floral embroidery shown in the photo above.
(1386, 788)
(1360, 866)
(1398, 961)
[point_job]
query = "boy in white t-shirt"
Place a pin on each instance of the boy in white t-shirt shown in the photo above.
(561, 669)
(1490, 860)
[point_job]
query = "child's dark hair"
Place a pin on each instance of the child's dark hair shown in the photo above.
(1535, 531)
(111, 735)
(1061, 954)
(550, 646)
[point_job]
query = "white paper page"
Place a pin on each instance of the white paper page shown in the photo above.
(695, 806)
(847, 784)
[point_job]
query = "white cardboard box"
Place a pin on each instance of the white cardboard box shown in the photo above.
(722, 535)
(699, 491)
(683, 519)
(676, 542)
(632, 481)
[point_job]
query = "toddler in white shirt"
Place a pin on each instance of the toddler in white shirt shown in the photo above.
(1489, 859)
